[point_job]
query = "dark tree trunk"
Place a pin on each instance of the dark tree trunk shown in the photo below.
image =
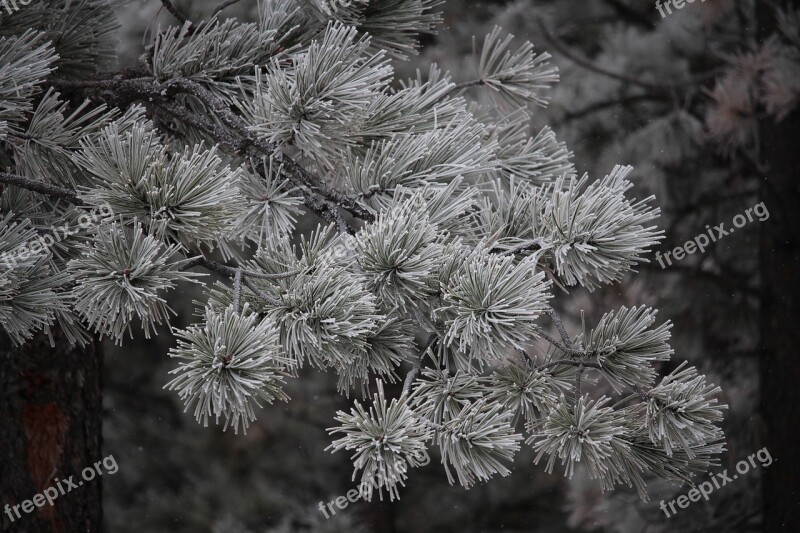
(780, 314)
(50, 428)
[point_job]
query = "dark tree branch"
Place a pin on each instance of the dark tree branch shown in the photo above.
(237, 146)
(562, 331)
(631, 15)
(120, 91)
(466, 85)
(222, 6)
(299, 173)
(412, 374)
(231, 271)
(559, 345)
(600, 106)
(662, 87)
(175, 11)
(41, 187)
(240, 276)
(576, 390)
(569, 362)
(237, 289)
(534, 244)
(199, 122)
(261, 294)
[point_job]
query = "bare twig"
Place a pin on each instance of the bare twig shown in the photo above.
(261, 294)
(630, 14)
(222, 6)
(465, 85)
(562, 331)
(175, 11)
(576, 390)
(534, 244)
(412, 374)
(570, 362)
(559, 345)
(237, 289)
(227, 270)
(41, 187)
(600, 106)
(659, 87)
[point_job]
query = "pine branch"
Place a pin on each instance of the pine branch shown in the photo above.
(298, 173)
(600, 106)
(576, 390)
(558, 344)
(120, 91)
(215, 131)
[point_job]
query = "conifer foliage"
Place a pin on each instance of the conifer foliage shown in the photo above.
(444, 230)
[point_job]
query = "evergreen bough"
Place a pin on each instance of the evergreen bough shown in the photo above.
(444, 228)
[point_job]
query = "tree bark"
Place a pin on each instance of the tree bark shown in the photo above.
(780, 314)
(50, 429)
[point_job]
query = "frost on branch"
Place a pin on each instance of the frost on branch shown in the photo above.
(123, 274)
(228, 365)
(358, 223)
(385, 441)
(682, 411)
